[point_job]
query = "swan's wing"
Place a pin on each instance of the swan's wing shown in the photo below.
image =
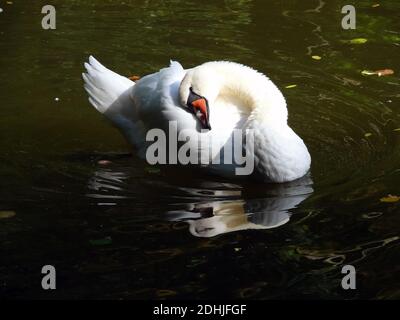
(135, 108)
(103, 85)
(156, 97)
(110, 94)
(131, 107)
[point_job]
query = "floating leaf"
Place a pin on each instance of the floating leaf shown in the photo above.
(152, 170)
(398, 129)
(355, 41)
(134, 78)
(390, 199)
(358, 41)
(380, 73)
(367, 73)
(291, 86)
(101, 242)
(384, 72)
(376, 5)
(7, 214)
(368, 134)
(165, 293)
(9, 2)
(316, 57)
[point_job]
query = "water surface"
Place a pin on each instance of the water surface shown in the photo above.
(126, 230)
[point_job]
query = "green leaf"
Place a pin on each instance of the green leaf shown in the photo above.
(358, 41)
(316, 57)
(355, 41)
(368, 134)
(291, 86)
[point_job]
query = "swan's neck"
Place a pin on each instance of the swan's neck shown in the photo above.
(252, 91)
(279, 153)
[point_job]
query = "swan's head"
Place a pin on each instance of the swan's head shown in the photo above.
(198, 90)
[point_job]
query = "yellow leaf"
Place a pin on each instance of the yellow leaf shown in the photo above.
(165, 293)
(367, 73)
(7, 214)
(358, 41)
(316, 57)
(291, 86)
(368, 134)
(375, 5)
(398, 129)
(355, 41)
(389, 199)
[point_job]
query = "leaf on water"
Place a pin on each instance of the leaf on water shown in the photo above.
(134, 78)
(398, 129)
(384, 72)
(355, 41)
(367, 73)
(291, 86)
(390, 199)
(368, 134)
(101, 242)
(7, 214)
(358, 41)
(165, 293)
(152, 170)
(380, 73)
(316, 57)
(376, 5)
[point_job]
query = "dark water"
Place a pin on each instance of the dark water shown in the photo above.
(126, 230)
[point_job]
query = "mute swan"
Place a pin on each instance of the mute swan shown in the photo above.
(210, 102)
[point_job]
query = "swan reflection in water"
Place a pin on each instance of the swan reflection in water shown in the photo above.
(216, 208)
(211, 218)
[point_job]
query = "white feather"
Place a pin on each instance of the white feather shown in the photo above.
(103, 85)
(239, 98)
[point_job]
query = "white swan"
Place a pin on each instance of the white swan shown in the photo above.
(217, 96)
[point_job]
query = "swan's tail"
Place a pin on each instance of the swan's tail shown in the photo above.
(103, 85)
(110, 94)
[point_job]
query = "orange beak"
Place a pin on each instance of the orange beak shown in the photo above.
(201, 111)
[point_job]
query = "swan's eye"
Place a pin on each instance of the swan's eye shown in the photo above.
(198, 105)
(193, 96)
